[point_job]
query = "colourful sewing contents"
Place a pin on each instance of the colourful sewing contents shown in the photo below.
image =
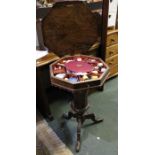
(79, 68)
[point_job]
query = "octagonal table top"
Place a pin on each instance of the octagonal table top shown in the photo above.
(78, 72)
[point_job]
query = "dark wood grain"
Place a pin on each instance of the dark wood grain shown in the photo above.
(41, 96)
(105, 10)
(104, 5)
(70, 27)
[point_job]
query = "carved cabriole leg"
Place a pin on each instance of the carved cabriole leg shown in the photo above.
(78, 143)
(93, 118)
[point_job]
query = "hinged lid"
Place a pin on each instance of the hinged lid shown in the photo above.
(70, 27)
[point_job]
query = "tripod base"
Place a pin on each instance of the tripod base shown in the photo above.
(81, 117)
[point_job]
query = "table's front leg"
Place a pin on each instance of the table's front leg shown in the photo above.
(78, 143)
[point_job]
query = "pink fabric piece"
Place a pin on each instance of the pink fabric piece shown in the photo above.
(78, 66)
